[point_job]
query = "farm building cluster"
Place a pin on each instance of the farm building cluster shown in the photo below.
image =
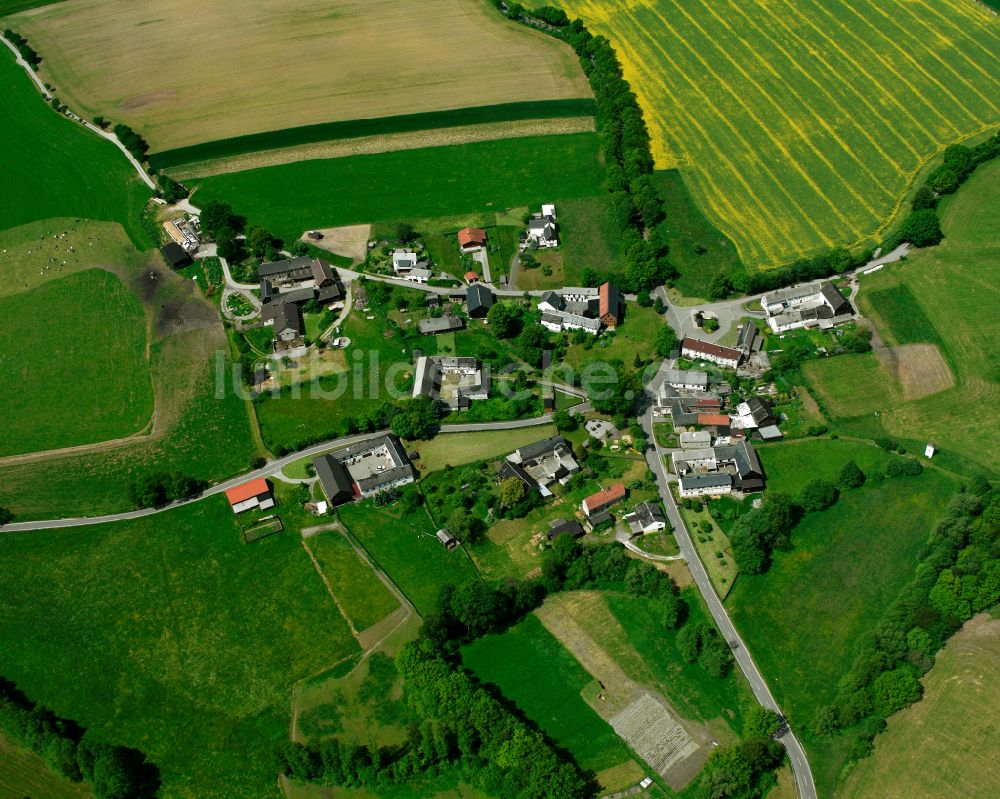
(287, 285)
(819, 304)
(582, 308)
(363, 470)
(454, 380)
(713, 471)
(541, 232)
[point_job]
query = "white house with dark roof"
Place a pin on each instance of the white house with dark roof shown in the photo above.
(818, 304)
(646, 517)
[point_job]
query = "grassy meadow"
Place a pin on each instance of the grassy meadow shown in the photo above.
(802, 618)
(801, 125)
(936, 747)
(55, 168)
(174, 637)
(72, 364)
(545, 681)
(946, 296)
(391, 58)
(783, 461)
(23, 773)
(411, 184)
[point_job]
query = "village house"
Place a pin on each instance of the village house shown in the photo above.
(456, 381)
(541, 233)
(254, 494)
(288, 325)
(286, 285)
(817, 304)
(689, 379)
(731, 469)
(697, 350)
(586, 309)
(541, 464)
(646, 517)
(471, 239)
(559, 527)
(405, 260)
(440, 324)
(364, 469)
(695, 439)
(603, 500)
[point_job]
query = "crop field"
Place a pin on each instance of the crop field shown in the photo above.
(291, 198)
(405, 547)
(72, 364)
(182, 640)
(52, 167)
(801, 125)
(938, 747)
(551, 697)
(802, 619)
(319, 62)
(954, 290)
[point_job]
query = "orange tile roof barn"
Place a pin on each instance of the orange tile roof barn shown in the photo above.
(471, 237)
(716, 419)
(245, 491)
(604, 498)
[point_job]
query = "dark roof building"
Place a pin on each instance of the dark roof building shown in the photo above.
(748, 337)
(364, 469)
(838, 303)
(479, 299)
(558, 527)
(335, 479)
(176, 255)
(442, 324)
(288, 321)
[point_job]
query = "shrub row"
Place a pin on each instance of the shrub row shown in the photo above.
(26, 51)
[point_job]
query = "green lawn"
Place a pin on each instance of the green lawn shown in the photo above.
(457, 449)
(171, 635)
(954, 291)
(783, 462)
(802, 620)
(589, 237)
(633, 337)
(404, 545)
(533, 670)
(72, 364)
(362, 595)
(290, 198)
(54, 167)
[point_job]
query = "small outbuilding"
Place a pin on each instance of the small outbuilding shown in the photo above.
(250, 495)
(448, 541)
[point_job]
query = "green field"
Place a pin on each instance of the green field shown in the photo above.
(179, 639)
(457, 449)
(942, 745)
(802, 125)
(803, 618)
(405, 547)
(533, 670)
(362, 595)
(437, 181)
(381, 126)
(783, 461)
(72, 364)
(54, 167)
(955, 291)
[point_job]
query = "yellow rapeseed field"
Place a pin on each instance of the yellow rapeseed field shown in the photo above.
(183, 72)
(801, 124)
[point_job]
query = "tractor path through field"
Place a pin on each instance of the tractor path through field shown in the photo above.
(654, 459)
(93, 128)
(330, 591)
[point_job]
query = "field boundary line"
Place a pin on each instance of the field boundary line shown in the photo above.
(872, 81)
(877, 57)
(931, 53)
(766, 137)
(793, 124)
(797, 66)
(960, 31)
(329, 590)
(777, 225)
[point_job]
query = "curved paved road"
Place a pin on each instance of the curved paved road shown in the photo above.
(796, 754)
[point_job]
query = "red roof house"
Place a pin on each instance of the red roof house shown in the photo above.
(471, 277)
(471, 237)
(603, 499)
(609, 305)
(253, 494)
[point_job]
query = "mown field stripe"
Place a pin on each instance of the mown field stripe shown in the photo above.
(776, 224)
(891, 21)
(789, 87)
(846, 56)
(795, 65)
(991, 29)
(796, 166)
(354, 128)
(877, 56)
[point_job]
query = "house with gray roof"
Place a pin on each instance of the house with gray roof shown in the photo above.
(541, 464)
(734, 468)
(646, 517)
(479, 300)
(819, 304)
(440, 324)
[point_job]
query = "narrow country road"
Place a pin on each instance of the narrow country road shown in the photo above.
(654, 459)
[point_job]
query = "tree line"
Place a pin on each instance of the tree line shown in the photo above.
(958, 575)
(26, 51)
(159, 488)
(115, 772)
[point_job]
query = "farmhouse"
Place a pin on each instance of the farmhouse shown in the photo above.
(646, 517)
(718, 470)
(288, 325)
(405, 260)
(175, 255)
(610, 305)
(541, 464)
(557, 321)
(471, 238)
(363, 470)
(696, 439)
(541, 232)
(479, 300)
(603, 500)
(250, 495)
(441, 324)
(753, 413)
(558, 527)
(294, 282)
(686, 378)
(584, 309)
(456, 381)
(811, 305)
(698, 350)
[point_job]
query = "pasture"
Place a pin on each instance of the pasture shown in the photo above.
(954, 290)
(940, 746)
(366, 59)
(801, 125)
(783, 461)
(551, 697)
(439, 181)
(802, 618)
(23, 773)
(403, 545)
(72, 364)
(53, 167)
(182, 640)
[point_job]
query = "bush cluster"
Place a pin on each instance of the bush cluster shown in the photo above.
(158, 488)
(26, 51)
(131, 141)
